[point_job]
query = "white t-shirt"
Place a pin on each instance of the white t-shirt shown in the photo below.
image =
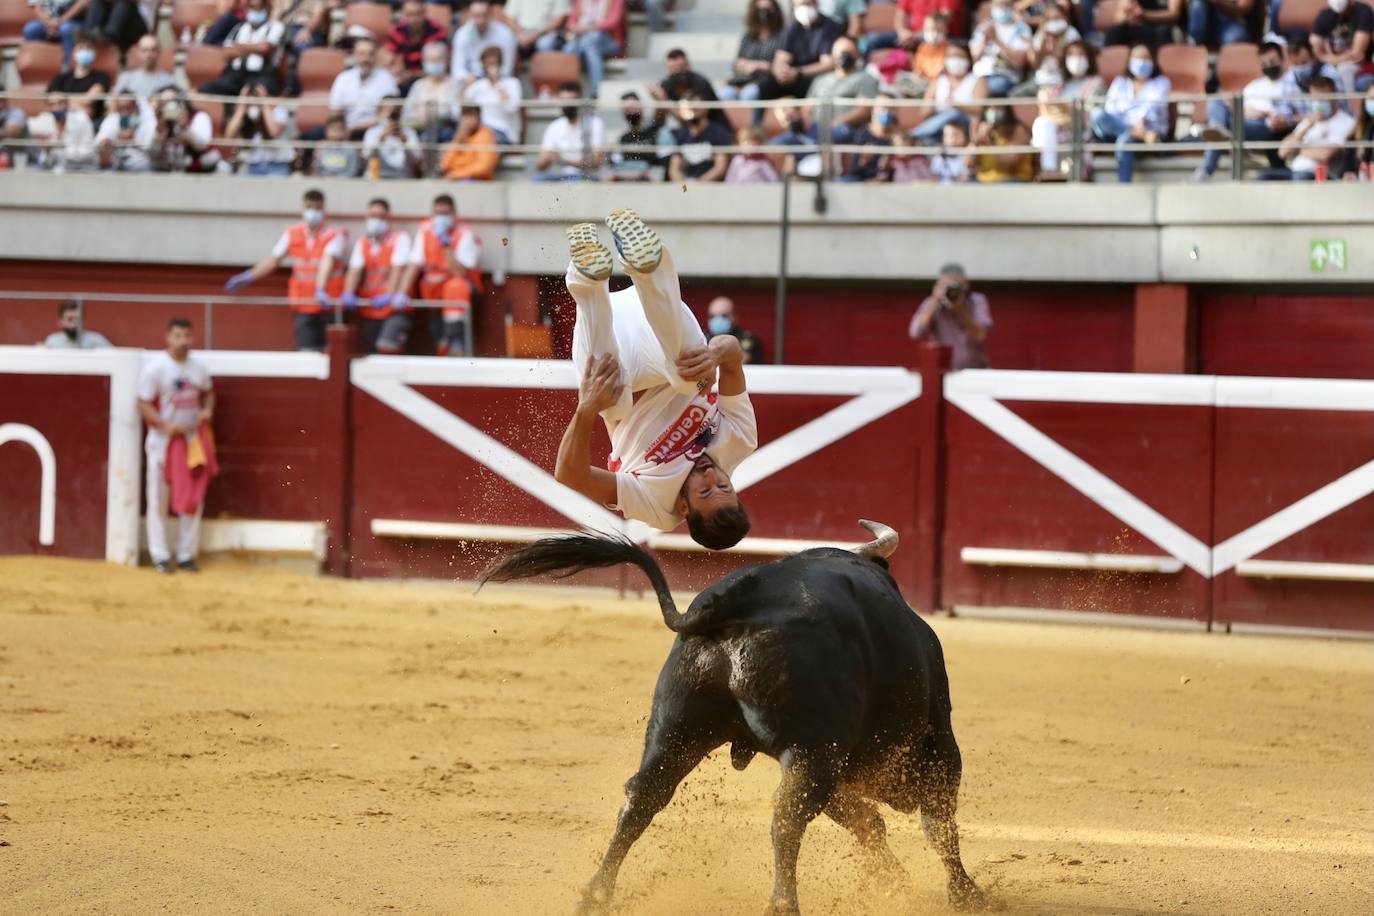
(176, 388)
(498, 113)
(652, 450)
(270, 32)
(400, 251)
(565, 137)
(136, 154)
(1260, 94)
(1334, 131)
(358, 98)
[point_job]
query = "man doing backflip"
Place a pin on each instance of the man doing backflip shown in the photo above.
(647, 370)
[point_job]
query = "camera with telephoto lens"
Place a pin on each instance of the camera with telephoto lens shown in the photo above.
(953, 292)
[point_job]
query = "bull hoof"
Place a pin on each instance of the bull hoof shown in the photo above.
(966, 897)
(594, 900)
(782, 908)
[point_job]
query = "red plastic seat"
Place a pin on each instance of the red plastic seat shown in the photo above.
(880, 17)
(190, 15)
(1111, 62)
(551, 69)
(1237, 66)
(375, 17)
(1185, 66)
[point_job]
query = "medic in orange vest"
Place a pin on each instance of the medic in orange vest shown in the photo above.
(375, 269)
(444, 260)
(317, 270)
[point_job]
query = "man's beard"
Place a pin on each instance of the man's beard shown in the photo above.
(71, 333)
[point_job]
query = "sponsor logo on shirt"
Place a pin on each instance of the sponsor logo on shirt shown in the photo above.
(688, 436)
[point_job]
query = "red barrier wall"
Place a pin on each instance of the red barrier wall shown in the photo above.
(1294, 334)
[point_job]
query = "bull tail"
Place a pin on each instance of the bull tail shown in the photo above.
(569, 554)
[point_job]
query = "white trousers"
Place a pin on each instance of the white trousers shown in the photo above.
(644, 326)
(188, 528)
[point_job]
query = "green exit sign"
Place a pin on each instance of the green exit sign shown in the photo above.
(1328, 256)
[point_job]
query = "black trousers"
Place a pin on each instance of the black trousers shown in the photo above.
(118, 20)
(231, 81)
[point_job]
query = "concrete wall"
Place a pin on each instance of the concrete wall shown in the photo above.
(1142, 234)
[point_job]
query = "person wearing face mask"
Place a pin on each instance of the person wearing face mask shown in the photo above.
(376, 269)
(444, 261)
(1137, 110)
(754, 60)
(877, 136)
(794, 131)
(955, 95)
(71, 333)
(68, 126)
(498, 97)
(126, 135)
(81, 77)
(1362, 158)
(412, 33)
(1056, 90)
(1341, 38)
(252, 49)
(1263, 118)
(1302, 66)
(1212, 23)
(394, 147)
(55, 21)
(432, 102)
(1000, 48)
(260, 125)
(1053, 36)
(681, 80)
(847, 81)
(803, 51)
(720, 319)
(635, 164)
(929, 60)
(1318, 140)
(316, 251)
(571, 146)
(696, 156)
(1148, 22)
(913, 19)
(999, 127)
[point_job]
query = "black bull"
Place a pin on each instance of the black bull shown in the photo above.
(814, 659)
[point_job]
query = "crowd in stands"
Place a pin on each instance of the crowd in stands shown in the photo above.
(428, 89)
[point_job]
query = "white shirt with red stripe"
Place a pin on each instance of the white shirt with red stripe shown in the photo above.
(176, 388)
(654, 448)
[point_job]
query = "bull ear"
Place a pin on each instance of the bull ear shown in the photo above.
(884, 543)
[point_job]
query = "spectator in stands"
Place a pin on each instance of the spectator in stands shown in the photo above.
(309, 25)
(1341, 37)
(536, 18)
(846, 80)
(794, 131)
(877, 135)
(696, 156)
(848, 13)
(956, 95)
(390, 149)
(67, 125)
(358, 91)
(444, 262)
(126, 135)
(999, 127)
(1219, 22)
(892, 69)
(803, 51)
(720, 319)
(1000, 48)
(252, 50)
(481, 161)
(929, 60)
(56, 21)
(757, 47)
(80, 78)
(261, 127)
(231, 14)
(1149, 22)
(1302, 66)
(681, 81)
(411, 34)
(951, 164)
(635, 165)
(120, 22)
(317, 253)
(71, 335)
(1054, 36)
(1318, 140)
(431, 106)
(175, 398)
(904, 167)
(1137, 109)
(478, 33)
(14, 123)
(1266, 117)
(590, 33)
(338, 158)
(145, 79)
(376, 272)
(498, 96)
(754, 166)
(185, 137)
(912, 16)
(956, 317)
(572, 144)
(1052, 128)
(1362, 158)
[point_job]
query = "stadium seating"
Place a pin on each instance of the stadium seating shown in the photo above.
(1111, 62)
(440, 14)
(549, 69)
(1185, 66)
(14, 15)
(1237, 65)
(317, 69)
(375, 17)
(1299, 14)
(203, 63)
(880, 17)
(189, 15)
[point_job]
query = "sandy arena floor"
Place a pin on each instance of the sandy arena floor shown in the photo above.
(259, 741)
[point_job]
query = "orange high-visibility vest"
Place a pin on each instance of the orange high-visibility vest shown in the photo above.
(305, 250)
(437, 266)
(377, 262)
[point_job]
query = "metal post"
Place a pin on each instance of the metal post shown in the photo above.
(780, 296)
(80, 320)
(209, 327)
(1076, 146)
(1237, 137)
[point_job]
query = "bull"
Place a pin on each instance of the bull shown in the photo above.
(814, 659)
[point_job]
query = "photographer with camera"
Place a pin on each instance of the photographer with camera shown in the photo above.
(956, 317)
(391, 149)
(185, 136)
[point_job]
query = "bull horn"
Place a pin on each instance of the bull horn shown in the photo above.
(884, 543)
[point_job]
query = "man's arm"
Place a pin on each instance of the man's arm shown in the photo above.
(207, 406)
(148, 411)
(974, 331)
(600, 388)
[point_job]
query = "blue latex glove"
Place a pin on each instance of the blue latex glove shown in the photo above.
(322, 297)
(445, 238)
(401, 302)
(381, 300)
(349, 300)
(238, 281)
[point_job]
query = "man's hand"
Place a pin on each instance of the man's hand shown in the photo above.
(696, 364)
(205, 416)
(173, 429)
(601, 387)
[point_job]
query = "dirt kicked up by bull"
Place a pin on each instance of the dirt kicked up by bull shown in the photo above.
(814, 659)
